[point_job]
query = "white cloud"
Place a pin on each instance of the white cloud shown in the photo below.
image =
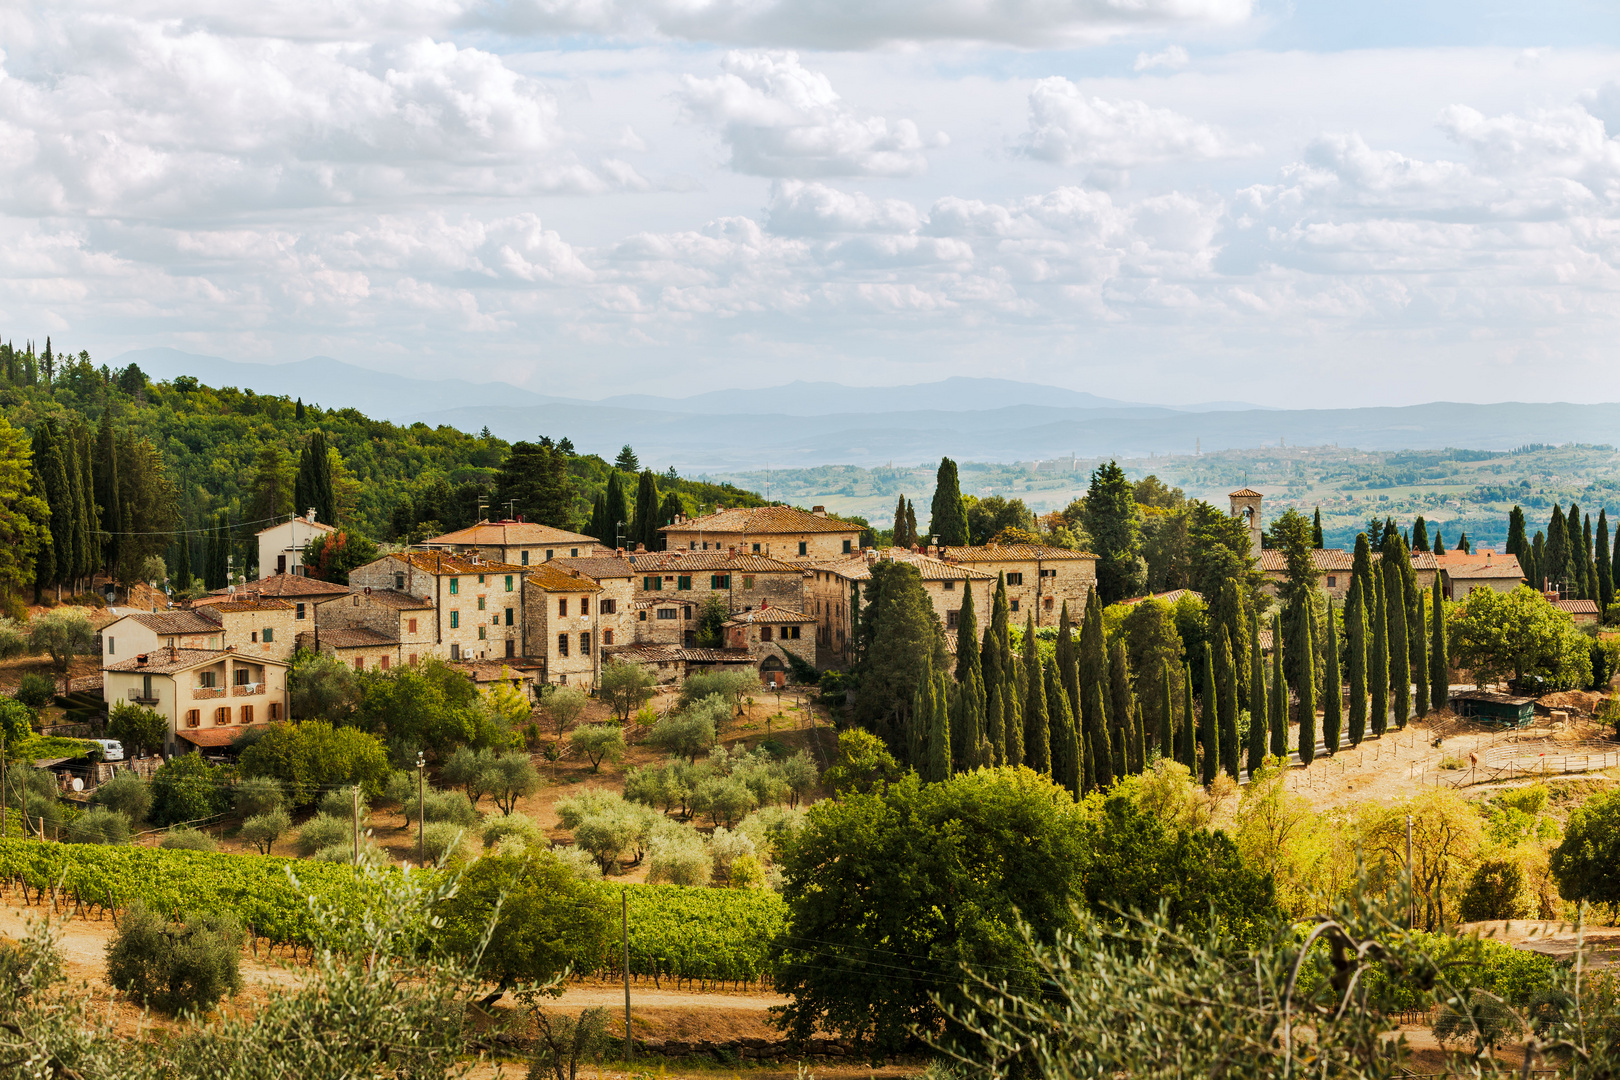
(779, 118)
(798, 208)
(1068, 127)
(1174, 57)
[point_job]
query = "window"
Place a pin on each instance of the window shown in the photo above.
(764, 633)
(455, 586)
(562, 607)
(756, 549)
(480, 579)
(509, 576)
(254, 637)
(455, 619)
(222, 715)
(355, 601)
(268, 635)
(573, 553)
(1048, 603)
(525, 558)
(688, 613)
(275, 710)
(804, 547)
(410, 626)
(399, 582)
(359, 663)
(247, 714)
(1015, 579)
(608, 607)
(480, 603)
(748, 581)
(642, 617)
(652, 584)
(508, 616)
(1048, 573)
(584, 644)
(111, 648)
(846, 546)
(950, 586)
(242, 676)
(455, 651)
(548, 555)
(951, 618)
(511, 651)
(384, 663)
(1014, 605)
(480, 633)
(411, 660)
(719, 581)
(607, 637)
(683, 583)
(298, 611)
(193, 717)
(1332, 581)
(667, 613)
(206, 679)
(793, 629)
(562, 644)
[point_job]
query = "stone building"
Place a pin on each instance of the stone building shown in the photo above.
(477, 606)
(562, 625)
(1461, 573)
(398, 628)
(208, 696)
(359, 647)
(779, 532)
(742, 581)
(253, 625)
(663, 621)
(1039, 579)
(615, 604)
(281, 547)
(768, 632)
(250, 625)
(830, 587)
(521, 543)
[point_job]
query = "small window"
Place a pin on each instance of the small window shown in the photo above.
(480, 603)
(1048, 603)
(756, 549)
(584, 644)
(1048, 573)
(355, 600)
(683, 583)
(254, 637)
(804, 547)
(651, 584)
(667, 613)
(573, 553)
(950, 586)
(111, 647)
(607, 637)
(455, 619)
(480, 579)
(795, 630)
(548, 555)
(562, 607)
(1333, 581)
(480, 633)
(562, 644)
(298, 611)
(410, 626)
(686, 613)
(525, 560)
(247, 714)
(764, 633)
(222, 715)
(642, 617)
(399, 582)
(509, 576)
(1014, 605)
(609, 607)
(719, 581)
(275, 710)
(508, 616)
(951, 619)
(359, 663)
(206, 679)
(455, 587)
(194, 717)
(1015, 579)
(242, 676)
(846, 547)
(455, 651)
(748, 581)
(411, 660)
(269, 635)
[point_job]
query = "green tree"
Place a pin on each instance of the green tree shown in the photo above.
(627, 462)
(271, 497)
(1068, 762)
(967, 637)
(1378, 659)
(1152, 644)
(187, 788)
(1167, 716)
(947, 518)
(1037, 730)
(1226, 704)
(900, 537)
(172, 967)
(938, 764)
(1332, 688)
(312, 485)
(1439, 658)
(1556, 567)
(625, 686)
(1583, 864)
(50, 483)
(1121, 711)
(1209, 732)
(1111, 521)
(597, 743)
(904, 644)
(64, 633)
(24, 515)
(1517, 544)
(1317, 541)
(1355, 644)
(1219, 550)
(1100, 750)
(138, 729)
(1603, 567)
(313, 757)
(321, 687)
(1420, 534)
(1518, 634)
(1306, 690)
(1400, 649)
(1277, 710)
(1187, 741)
(1417, 633)
(536, 481)
(646, 512)
(863, 765)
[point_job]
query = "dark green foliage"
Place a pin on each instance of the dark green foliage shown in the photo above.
(188, 788)
(535, 480)
(899, 537)
(1355, 644)
(1167, 716)
(126, 793)
(994, 730)
(1317, 540)
(1067, 766)
(1259, 728)
(1555, 565)
(1226, 704)
(139, 729)
(1066, 657)
(1496, 891)
(1378, 659)
(1121, 709)
(312, 487)
(1603, 566)
(1111, 521)
(1400, 655)
(1439, 657)
(1418, 634)
(1209, 732)
(627, 461)
(1099, 744)
(563, 1044)
(311, 757)
(1277, 710)
(1187, 741)
(1306, 691)
(1332, 687)
(947, 518)
(1420, 534)
(1585, 862)
(938, 758)
(1037, 732)
(646, 524)
(98, 825)
(967, 637)
(1518, 545)
(175, 967)
(903, 646)
(37, 691)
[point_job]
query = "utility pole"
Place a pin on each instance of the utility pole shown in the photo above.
(421, 846)
(624, 923)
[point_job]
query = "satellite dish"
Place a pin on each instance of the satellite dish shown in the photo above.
(78, 784)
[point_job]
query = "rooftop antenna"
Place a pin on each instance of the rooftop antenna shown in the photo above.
(483, 509)
(511, 509)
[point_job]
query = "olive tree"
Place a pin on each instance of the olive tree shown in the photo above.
(624, 686)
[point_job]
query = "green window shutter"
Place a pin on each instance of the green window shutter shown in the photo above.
(455, 586)
(269, 635)
(509, 576)
(455, 619)
(683, 583)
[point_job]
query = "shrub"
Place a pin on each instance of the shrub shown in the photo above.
(323, 831)
(1496, 890)
(525, 828)
(183, 839)
(747, 873)
(678, 855)
(173, 967)
(263, 830)
(578, 862)
(597, 743)
(467, 769)
(126, 793)
(451, 806)
(139, 729)
(770, 827)
(35, 690)
(313, 756)
(98, 825)
(340, 804)
(727, 847)
(443, 840)
(188, 788)
(258, 795)
(401, 787)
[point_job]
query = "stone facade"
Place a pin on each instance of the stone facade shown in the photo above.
(1041, 579)
(743, 582)
(207, 695)
(255, 626)
(666, 622)
(522, 543)
(563, 625)
(359, 647)
(615, 604)
(1462, 573)
(830, 585)
(778, 532)
(477, 606)
(768, 632)
(407, 621)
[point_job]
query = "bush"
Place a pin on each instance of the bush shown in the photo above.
(263, 830)
(314, 757)
(258, 795)
(727, 847)
(1496, 890)
(187, 788)
(678, 855)
(340, 804)
(370, 854)
(139, 729)
(578, 862)
(98, 825)
(126, 793)
(35, 690)
(747, 873)
(443, 840)
(400, 788)
(173, 967)
(451, 806)
(725, 799)
(183, 839)
(322, 831)
(597, 743)
(525, 828)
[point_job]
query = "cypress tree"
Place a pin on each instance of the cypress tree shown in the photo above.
(1517, 545)
(1091, 664)
(939, 734)
(1439, 661)
(1418, 627)
(1066, 765)
(596, 527)
(1420, 534)
(1259, 729)
(901, 540)
(917, 728)
(995, 734)
(947, 519)
(1332, 687)
(967, 636)
(1400, 655)
(1187, 741)
(1603, 566)
(1088, 765)
(1037, 730)
(182, 567)
(1012, 712)
(912, 535)
(1138, 735)
(1068, 661)
(1226, 683)
(647, 503)
(1317, 540)
(1119, 706)
(1209, 733)
(1577, 559)
(107, 491)
(616, 517)
(1378, 661)
(1589, 563)
(320, 466)
(1439, 542)
(1614, 562)
(1556, 566)
(298, 411)
(50, 484)
(1230, 611)
(1167, 717)
(1464, 545)
(1278, 709)
(1307, 692)
(79, 543)
(1101, 753)
(1361, 564)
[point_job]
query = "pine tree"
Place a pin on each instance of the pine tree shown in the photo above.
(1209, 732)
(947, 518)
(1378, 660)
(1307, 692)
(1226, 704)
(1037, 726)
(1602, 565)
(1420, 534)
(1101, 751)
(939, 733)
(1167, 717)
(967, 636)
(1277, 709)
(1317, 540)
(1187, 741)
(1259, 729)
(901, 540)
(627, 460)
(1332, 687)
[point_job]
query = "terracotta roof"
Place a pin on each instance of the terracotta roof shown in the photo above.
(1577, 607)
(242, 602)
(549, 577)
(184, 621)
(1327, 560)
(510, 534)
(294, 585)
(1424, 560)
(214, 736)
(598, 566)
(320, 525)
(1495, 568)
(647, 605)
(717, 656)
(634, 653)
(170, 661)
(771, 616)
(675, 561)
(392, 598)
(762, 521)
(1167, 597)
(443, 563)
(491, 671)
(348, 637)
(1013, 553)
(856, 568)
(1245, 493)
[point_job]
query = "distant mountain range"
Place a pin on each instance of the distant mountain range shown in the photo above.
(805, 424)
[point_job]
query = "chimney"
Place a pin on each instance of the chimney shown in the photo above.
(140, 660)
(733, 551)
(765, 603)
(819, 511)
(309, 515)
(641, 549)
(618, 553)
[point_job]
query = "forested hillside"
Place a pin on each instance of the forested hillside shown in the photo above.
(202, 462)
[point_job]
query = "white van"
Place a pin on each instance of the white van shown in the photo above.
(111, 749)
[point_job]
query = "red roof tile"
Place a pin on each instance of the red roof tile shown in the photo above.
(762, 521)
(510, 534)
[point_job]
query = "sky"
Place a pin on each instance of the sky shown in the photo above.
(1298, 204)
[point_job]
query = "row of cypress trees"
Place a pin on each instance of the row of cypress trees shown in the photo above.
(612, 519)
(1569, 555)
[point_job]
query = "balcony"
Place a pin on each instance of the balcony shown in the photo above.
(247, 689)
(203, 693)
(139, 698)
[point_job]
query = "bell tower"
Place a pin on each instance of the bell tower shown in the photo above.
(1246, 505)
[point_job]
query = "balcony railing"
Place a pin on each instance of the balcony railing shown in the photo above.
(247, 690)
(202, 693)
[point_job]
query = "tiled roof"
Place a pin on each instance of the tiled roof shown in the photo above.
(1327, 560)
(679, 561)
(185, 621)
(214, 736)
(771, 616)
(1245, 493)
(393, 598)
(1167, 597)
(1424, 560)
(510, 534)
(762, 521)
(1577, 607)
(294, 585)
(1497, 567)
(648, 605)
(856, 568)
(349, 637)
(243, 602)
(491, 671)
(717, 656)
(642, 653)
(600, 567)
(318, 525)
(169, 661)
(991, 553)
(549, 577)
(446, 564)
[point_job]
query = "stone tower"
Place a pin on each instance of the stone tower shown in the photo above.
(1246, 505)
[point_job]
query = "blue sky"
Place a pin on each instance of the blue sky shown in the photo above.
(1172, 200)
